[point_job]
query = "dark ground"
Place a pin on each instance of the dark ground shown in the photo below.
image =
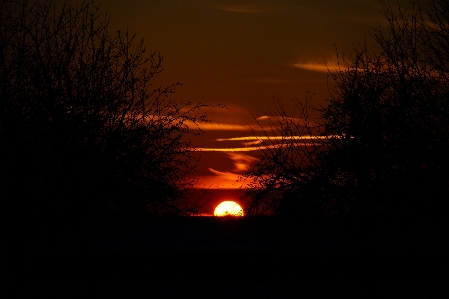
(218, 234)
(249, 257)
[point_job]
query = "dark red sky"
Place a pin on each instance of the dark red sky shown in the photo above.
(243, 54)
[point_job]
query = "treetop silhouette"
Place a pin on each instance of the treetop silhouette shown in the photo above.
(82, 125)
(388, 108)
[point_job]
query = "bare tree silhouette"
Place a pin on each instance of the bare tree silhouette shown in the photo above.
(82, 127)
(386, 126)
(288, 164)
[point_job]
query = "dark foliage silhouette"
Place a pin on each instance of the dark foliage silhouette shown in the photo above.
(386, 127)
(82, 127)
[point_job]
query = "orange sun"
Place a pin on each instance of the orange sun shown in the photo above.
(228, 208)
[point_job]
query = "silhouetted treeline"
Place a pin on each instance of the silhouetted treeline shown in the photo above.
(385, 130)
(82, 127)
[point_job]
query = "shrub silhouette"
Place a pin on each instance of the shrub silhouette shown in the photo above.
(386, 126)
(82, 127)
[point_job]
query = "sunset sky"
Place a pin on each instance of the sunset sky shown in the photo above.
(244, 54)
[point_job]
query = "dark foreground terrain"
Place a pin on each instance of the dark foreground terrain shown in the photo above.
(249, 257)
(225, 234)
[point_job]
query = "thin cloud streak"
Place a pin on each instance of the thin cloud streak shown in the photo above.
(223, 127)
(259, 139)
(333, 66)
(227, 149)
(213, 126)
(317, 67)
(300, 121)
(256, 138)
(254, 142)
(248, 149)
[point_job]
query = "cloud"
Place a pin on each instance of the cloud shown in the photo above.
(241, 161)
(227, 179)
(317, 66)
(253, 142)
(217, 126)
(226, 126)
(221, 180)
(248, 149)
(255, 138)
(298, 121)
(231, 118)
(304, 140)
(214, 126)
(225, 149)
(326, 67)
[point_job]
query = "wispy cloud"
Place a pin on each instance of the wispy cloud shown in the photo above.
(241, 161)
(228, 179)
(217, 126)
(256, 143)
(231, 118)
(254, 138)
(298, 121)
(253, 142)
(317, 66)
(326, 67)
(250, 125)
(248, 149)
(224, 149)
(221, 180)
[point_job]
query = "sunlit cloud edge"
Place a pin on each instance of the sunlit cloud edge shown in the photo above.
(248, 149)
(214, 126)
(257, 138)
(317, 67)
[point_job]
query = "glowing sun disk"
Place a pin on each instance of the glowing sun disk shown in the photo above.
(228, 208)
